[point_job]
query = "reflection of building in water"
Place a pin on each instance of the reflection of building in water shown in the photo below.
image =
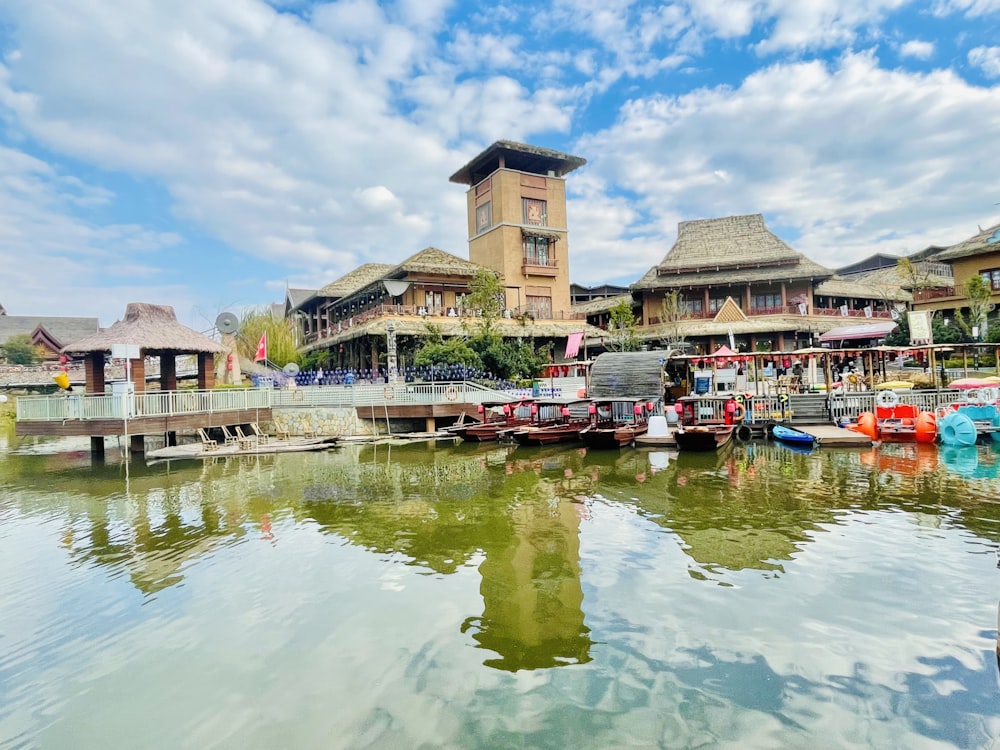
(532, 593)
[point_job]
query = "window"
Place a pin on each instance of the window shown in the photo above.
(484, 217)
(540, 306)
(765, 302)
(992, 278)
(715, 304)
(534, 212)
(692, 306)
(537, 251)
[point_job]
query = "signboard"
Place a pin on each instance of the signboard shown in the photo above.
(920, 327)
(124, 351)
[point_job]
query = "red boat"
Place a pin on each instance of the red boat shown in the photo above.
(616, 423)
(706, 437)
(499, 417)
(554, 421)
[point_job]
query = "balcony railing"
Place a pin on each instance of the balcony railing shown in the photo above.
(133, 406)
(925, 295)
(536, 267)
(835, 311)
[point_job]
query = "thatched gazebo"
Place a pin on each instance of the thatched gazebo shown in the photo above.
(155, 330)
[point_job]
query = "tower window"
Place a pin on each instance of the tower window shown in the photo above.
(484, 217)
(538, 251)
(535, 212)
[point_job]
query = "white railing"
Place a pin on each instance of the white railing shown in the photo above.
(73, 406)
(849, 405)
(390, 394)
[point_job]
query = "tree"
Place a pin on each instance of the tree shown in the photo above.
(20, 351)
(977, 294)
(622, 328)
(914, 276)
(672, 313)
(486, 294)
(280, 336)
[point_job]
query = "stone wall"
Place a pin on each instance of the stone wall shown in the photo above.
(320, 422)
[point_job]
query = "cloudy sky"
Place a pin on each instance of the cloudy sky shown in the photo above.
(208, 153)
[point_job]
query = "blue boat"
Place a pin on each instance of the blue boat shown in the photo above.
(792, 436)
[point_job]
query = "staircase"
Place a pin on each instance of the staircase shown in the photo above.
(809, 408)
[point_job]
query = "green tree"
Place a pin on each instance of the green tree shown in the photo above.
(20, 351)
(622, 329)
(453, 351)
(486, 295)
(977, 294)
(280, 336)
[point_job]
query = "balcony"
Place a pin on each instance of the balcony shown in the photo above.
(926, 295)
(537, 267)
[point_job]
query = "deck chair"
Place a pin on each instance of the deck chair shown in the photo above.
(206, 442)
(231, 439)
(257, 433)
(245, 440)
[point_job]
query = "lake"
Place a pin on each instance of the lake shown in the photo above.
(484, 596)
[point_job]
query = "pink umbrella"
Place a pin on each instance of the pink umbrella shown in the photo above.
(967, 383)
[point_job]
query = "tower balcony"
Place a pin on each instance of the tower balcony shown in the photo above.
(530, 267)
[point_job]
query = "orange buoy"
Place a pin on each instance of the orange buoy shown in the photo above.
(868, 425)
(926, 428)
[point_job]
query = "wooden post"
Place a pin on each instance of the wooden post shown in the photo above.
(168, 372)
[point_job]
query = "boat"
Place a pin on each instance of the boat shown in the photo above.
(552, 421)
(897, 422)
(498, 417)
(658, 433)
(615, 423)
(792, 436)
(703, 437)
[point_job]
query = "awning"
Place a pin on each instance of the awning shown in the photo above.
(867, 331)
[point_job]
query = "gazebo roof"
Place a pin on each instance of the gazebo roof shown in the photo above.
(354, 280)
(153, 328)
(433, 260)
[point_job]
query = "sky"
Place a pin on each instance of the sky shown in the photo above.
(209, 154)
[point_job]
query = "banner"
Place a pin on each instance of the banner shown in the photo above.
(261, 348)
(868, 311)
(803, 308)
(920, 327)
(573, 342)
(844, 310)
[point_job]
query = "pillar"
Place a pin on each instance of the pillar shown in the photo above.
(206, 371)
(430, 424)
(168, 372)
(93, 367)
(170, 438)
(374, 343)
(138, 367)
(784, 297)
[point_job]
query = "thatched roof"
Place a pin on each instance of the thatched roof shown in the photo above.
(595, 306)
(984, 241)
(769, 324)
(153, 328)
(432, 260)
(863, 288)
(730, 250)
(518, 156)
(627, 375)
(887, 277)
(357, 279)
(64, 330)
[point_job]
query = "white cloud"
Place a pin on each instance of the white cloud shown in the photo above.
(834, 153)
(970, 8)
(820, 24)
(918, 49)
(987, 59)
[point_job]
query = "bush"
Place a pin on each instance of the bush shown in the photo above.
(19, 350)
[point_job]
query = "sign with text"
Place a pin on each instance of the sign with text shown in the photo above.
(920, 327)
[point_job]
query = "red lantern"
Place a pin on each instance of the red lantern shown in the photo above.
(506, 409)
(649, 406)
(592, 409)
(480, 408)
(534, 408)
(637, 409)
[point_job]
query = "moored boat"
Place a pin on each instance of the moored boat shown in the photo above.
(615, 423)
(792, 436)
(703, 437)
(553, 421)
(498, 417)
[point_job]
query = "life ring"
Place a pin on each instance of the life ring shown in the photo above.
(389, 393)
(887, 399)
(744, 433)
(739, 412)
(451, 393)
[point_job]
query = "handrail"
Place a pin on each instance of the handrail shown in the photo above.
(78, 406)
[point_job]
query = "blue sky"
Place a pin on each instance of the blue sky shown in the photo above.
(207, 153)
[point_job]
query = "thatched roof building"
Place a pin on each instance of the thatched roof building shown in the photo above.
(628, 375)
(733, 249)
(153, 328)
(52, 332)
(984, 241)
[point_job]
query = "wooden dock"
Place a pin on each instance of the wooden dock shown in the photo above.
(831, 436)
(251, 448)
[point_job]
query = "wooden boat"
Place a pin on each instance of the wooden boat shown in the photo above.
(703, 437)
(515, 415)
(792, 436)
(615, 423)
(552, 421)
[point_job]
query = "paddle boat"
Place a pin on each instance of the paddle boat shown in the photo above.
(896, 422)
(970, 417)
(553, 421)
(792, 436)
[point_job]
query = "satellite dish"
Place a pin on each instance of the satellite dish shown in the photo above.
(227, 322)
(290, 369)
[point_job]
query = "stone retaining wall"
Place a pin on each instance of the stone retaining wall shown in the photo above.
(320, 422)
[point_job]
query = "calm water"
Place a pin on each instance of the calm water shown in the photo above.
(489, 597)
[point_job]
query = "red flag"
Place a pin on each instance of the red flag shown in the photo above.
(261, 348)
